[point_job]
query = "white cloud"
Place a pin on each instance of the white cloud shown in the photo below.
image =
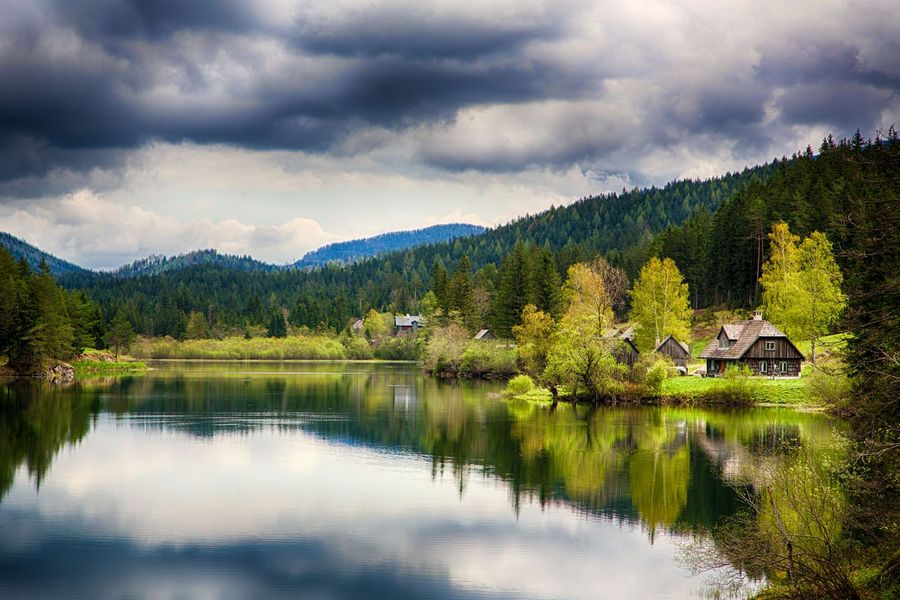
(93, 231)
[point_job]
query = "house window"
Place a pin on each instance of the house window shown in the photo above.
(784, 366)
(770, 346)
(763, 366)
(723, 343)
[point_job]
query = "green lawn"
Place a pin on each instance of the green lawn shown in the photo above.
(774, 391)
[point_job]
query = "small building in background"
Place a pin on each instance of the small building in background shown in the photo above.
(484, 334)
(357, 326)
(621, 340)
(408, 324)
(756, 343)
(678, 352)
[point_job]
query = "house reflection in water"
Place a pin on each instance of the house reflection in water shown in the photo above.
(404, 397)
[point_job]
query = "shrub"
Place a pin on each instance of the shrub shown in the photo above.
(487, 359)
(518, 385)
(444, 349)
(656, 375)
(397, 348)
(829, 388)
(357, 348)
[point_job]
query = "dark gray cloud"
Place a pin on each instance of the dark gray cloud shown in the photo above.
(83, 81)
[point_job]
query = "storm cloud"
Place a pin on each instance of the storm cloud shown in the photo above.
(640, 91)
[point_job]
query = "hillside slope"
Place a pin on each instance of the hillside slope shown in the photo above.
(619, 226)
(354, 250)
(21, 249)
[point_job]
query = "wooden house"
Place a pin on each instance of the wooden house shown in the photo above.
(484, 334)
(357, 325)
(677, 352)
(622, 345)
(755, 343)
(408, 324)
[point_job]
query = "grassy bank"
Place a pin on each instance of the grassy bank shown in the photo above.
(294, 347)
(767, 391)
(93, 363)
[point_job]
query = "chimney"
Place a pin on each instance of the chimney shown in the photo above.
(757, 315)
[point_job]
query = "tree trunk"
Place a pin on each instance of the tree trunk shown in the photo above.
(812, 353)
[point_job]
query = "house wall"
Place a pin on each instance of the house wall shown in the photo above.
(625, 354)
(773, 367)
(676, 353)
(783, 349)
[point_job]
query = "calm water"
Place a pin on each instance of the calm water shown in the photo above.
(231, 480)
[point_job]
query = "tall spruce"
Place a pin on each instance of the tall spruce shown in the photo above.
(514, 292)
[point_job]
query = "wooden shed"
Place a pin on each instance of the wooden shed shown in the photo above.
(678, 352)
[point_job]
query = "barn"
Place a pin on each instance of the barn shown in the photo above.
(677, 352)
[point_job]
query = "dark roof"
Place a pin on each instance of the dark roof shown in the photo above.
(742, 334)
(681, 345)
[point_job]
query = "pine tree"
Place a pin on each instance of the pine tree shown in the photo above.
(514, 291)
(441, 285)
(277, 325)
(197, 327)
(121, 333)
(546, 284)
(461, 296)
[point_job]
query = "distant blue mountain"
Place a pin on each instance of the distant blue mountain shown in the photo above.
(342, 252)
(355, 250)
(32, 255)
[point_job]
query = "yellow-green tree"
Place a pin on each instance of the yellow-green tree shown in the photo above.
(375, 324)
(533, 339)
(802, 285)
(822, 299)
(579, 358)
(779, 278)
(659, 304)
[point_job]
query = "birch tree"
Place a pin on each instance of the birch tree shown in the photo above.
(660, 304)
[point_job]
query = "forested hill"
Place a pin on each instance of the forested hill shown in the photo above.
(620, 226)
(354, 250)
(156, 264)
(21, 249)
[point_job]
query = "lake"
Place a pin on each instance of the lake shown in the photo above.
(358, 480)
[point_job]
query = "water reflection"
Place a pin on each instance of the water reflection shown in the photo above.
(356, 481)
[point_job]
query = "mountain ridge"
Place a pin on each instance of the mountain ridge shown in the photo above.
(338, 252)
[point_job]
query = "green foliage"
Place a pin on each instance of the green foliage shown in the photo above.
(397, 348)
(659, 304)
(489, 359)
(238, 348)
(444, 348)
(533, 339)
(38, 320)
(120, 334)
(802, 285)
(656, 374)
(376, 325)
(357, 348)
(518, 385)
(277, 326)
(197, 327)
(580, 358)
(831, 388)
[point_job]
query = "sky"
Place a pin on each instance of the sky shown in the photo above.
(275, 126)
